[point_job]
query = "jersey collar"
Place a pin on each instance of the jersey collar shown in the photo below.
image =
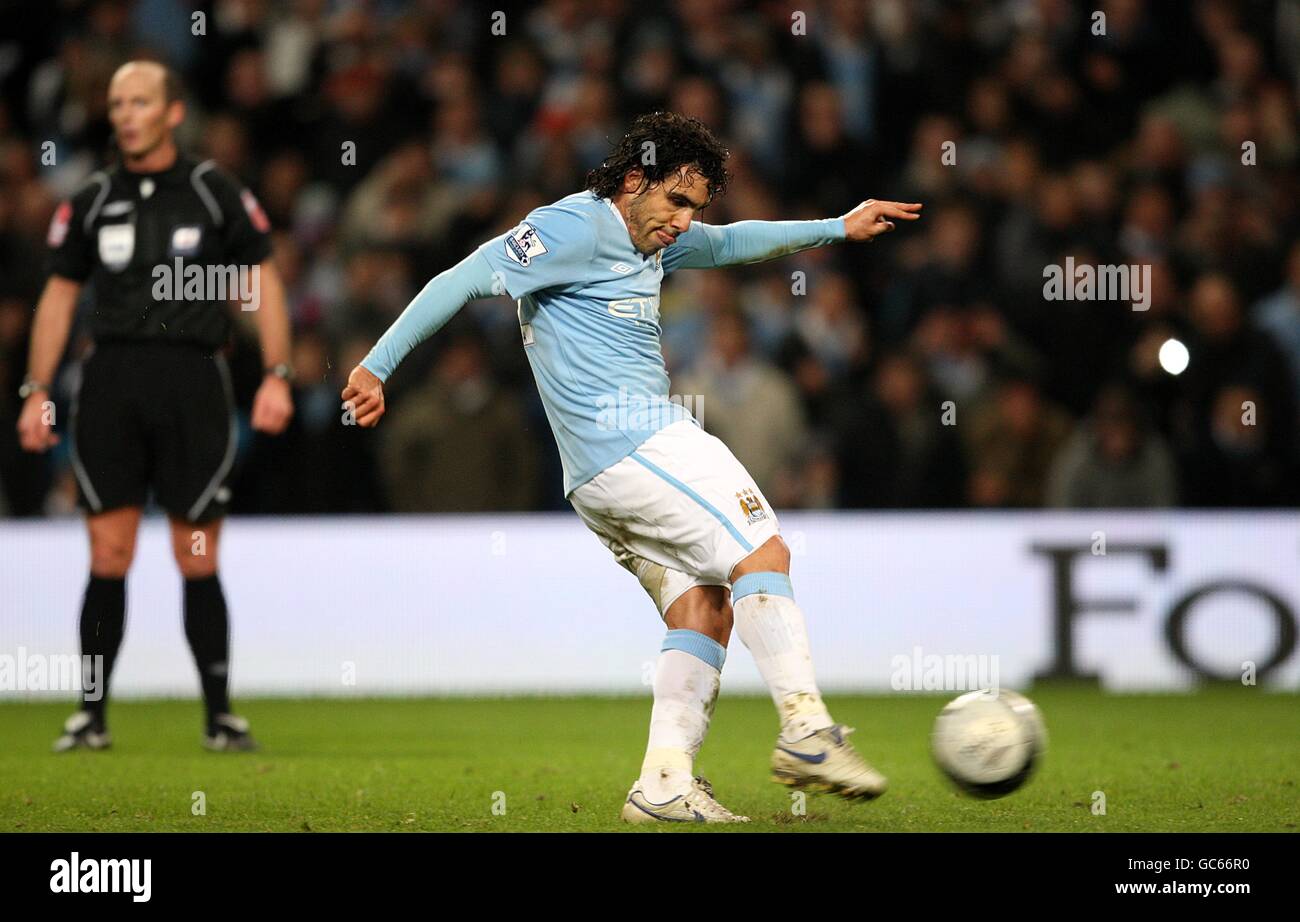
(618, 214)
(177, 172)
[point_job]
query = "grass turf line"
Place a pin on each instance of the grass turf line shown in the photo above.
(1221, 759)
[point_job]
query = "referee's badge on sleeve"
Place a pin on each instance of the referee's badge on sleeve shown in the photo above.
(116, 244)
(59, 225)
(255, 212)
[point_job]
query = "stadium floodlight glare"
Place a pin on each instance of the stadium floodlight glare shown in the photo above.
(1174, 356)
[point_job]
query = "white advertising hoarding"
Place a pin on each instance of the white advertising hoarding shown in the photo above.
(534, 603)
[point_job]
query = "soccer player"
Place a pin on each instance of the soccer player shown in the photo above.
(669, 500)
(155, 409)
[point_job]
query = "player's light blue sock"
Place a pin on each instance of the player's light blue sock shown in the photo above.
(771, 625)
(686, 685)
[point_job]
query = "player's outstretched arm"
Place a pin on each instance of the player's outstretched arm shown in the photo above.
(707, 246)
(873, 218)
(444, 295)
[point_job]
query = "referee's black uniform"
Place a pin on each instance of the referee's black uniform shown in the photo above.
(155, 407)
(154, 410)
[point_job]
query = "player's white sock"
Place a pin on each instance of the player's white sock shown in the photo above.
(686, 689)
(771, 625)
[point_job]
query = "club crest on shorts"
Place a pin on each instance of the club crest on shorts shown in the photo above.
(751, 507)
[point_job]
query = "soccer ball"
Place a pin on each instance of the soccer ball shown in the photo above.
(988, 742)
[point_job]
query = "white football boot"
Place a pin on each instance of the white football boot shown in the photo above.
(697, 806)
(229, 733)
(825, 762)
(82, 731)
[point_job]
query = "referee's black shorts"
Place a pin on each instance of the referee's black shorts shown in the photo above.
(154, 414)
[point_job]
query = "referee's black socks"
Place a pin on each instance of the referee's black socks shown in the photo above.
(103, 619)
(207, 628)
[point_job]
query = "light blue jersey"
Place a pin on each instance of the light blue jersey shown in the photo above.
(588, 304)
(589, 317)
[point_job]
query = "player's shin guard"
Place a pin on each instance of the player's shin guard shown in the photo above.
(686, 690)
(771, 625)
(103, 621)
(207, 628)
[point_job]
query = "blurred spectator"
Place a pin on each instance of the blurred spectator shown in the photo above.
(1278, 315)
(316, 465)
(1228, 352)
(831, 326)
(1012, 442)
(760, 91)
(899, 447)
(458, 444)
(398, 204)
(747, 402)
(1113, 461)
(387, 140)
(1231, 463)
(827, 169)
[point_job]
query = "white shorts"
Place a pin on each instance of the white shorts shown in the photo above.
(678, 512)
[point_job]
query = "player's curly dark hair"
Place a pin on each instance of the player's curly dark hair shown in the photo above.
(676, 141)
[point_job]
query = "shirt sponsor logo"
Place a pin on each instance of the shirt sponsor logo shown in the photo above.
(636, 308)
(186, 240)
(523, 245)
(115, 209)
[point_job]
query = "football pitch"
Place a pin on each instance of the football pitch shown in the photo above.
(1223, 759)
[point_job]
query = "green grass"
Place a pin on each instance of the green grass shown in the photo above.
(1222, 759)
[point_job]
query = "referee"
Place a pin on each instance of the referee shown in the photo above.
(154, 409)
